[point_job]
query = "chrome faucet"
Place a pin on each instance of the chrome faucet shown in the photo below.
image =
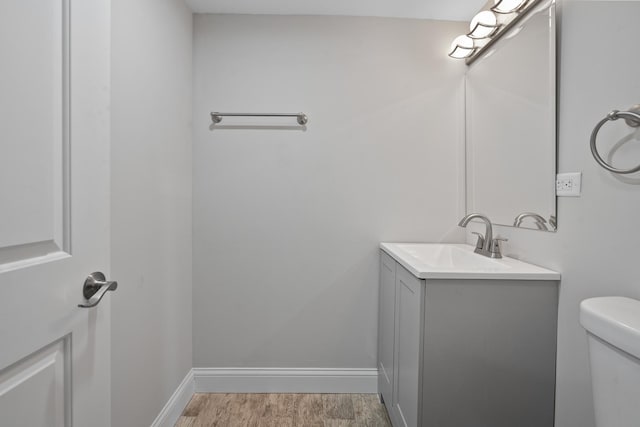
(539, 220)
(486, 245)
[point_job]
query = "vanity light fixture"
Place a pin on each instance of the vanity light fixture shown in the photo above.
(462, 47)
(508, 6)
(491, 24)
(483, 25)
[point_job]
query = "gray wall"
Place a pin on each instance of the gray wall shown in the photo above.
(287, 222)
(596, 246)
(151, 205)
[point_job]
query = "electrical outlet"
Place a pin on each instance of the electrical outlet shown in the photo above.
(569, 184)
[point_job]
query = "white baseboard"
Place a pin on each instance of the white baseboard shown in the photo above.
(176, 404)
(280, 380)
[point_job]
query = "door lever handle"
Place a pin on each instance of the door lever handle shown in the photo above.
(95, 286)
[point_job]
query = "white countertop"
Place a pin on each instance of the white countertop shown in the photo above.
(458, 261)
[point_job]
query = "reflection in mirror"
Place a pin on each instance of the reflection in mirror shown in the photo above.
(539, 221)
(511, 125)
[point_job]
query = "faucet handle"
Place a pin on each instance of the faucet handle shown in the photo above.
(495, 247)
(480, 242)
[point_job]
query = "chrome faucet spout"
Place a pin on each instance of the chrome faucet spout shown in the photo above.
(539, 220)
(487, 245)
(488, 232)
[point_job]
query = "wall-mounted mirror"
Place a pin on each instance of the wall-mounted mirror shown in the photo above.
(511, 125)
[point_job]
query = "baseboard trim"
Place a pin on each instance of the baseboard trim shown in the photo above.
(169, 415)
(278, 380)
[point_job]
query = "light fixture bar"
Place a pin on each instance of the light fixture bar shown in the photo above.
(517, 18)
(486, 28)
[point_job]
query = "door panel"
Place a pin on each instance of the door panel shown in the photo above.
(408, 315)
(54, 221)
(35, 391)
(386, 326)
(34, 154)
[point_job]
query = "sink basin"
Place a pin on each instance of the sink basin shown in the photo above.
(458, 261)
(450, 256)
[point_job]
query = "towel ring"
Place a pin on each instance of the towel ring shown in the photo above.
(632, 118)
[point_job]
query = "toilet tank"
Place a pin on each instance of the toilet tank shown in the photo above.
(613, 331)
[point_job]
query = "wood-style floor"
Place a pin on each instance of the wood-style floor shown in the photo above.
(284, 410)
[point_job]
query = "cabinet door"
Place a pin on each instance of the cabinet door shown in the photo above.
(407, 348)
(386, 326)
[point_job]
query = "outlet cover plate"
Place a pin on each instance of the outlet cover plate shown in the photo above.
(569, 184)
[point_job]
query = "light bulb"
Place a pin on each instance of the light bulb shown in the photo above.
(462, 47)
(507, 6)
(483, 25)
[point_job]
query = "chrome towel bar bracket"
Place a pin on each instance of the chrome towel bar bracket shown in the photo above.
(300, 117)
(632, 118)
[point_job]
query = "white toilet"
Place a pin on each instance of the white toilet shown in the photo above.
(613, 329)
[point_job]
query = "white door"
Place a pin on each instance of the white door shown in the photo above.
(54, 212)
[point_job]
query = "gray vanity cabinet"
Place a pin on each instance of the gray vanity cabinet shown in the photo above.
(466, 352)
